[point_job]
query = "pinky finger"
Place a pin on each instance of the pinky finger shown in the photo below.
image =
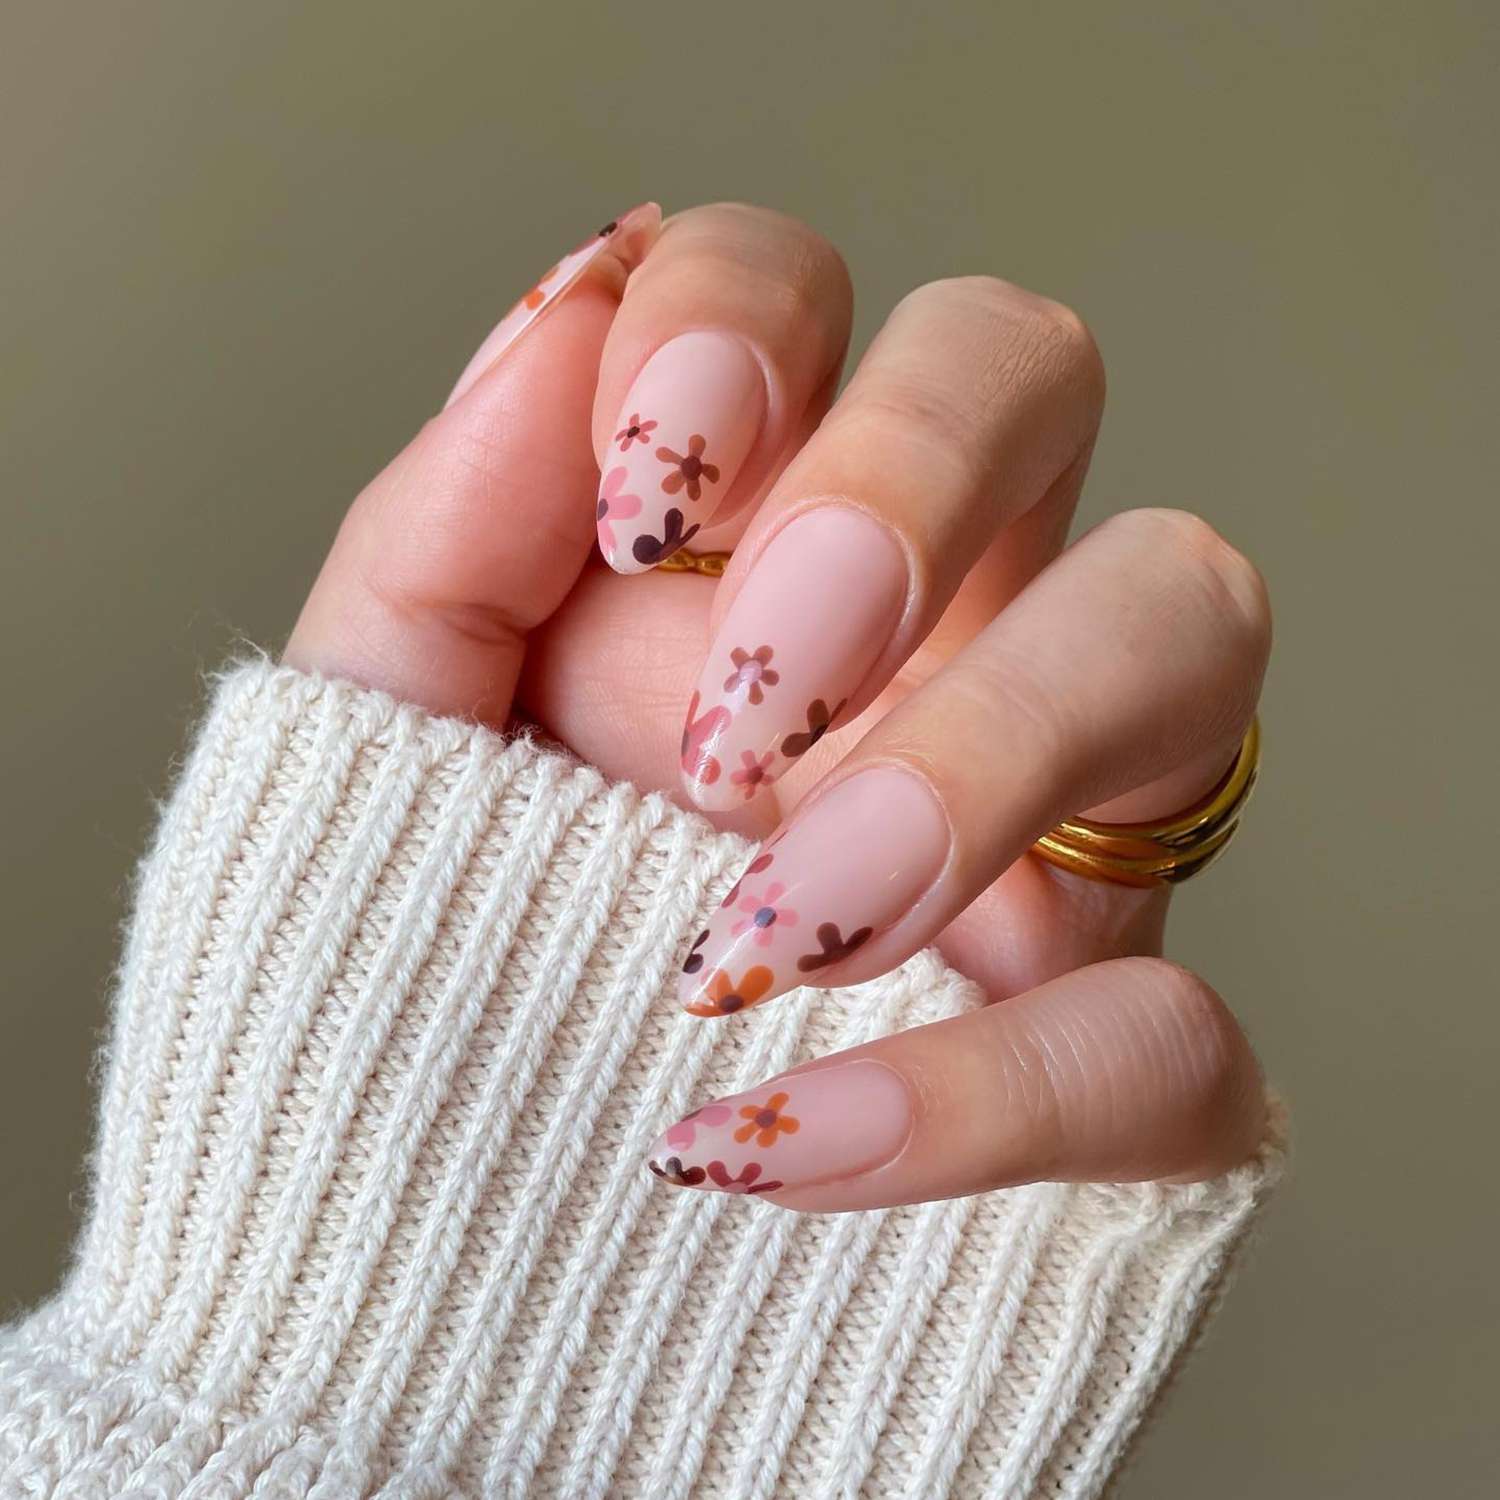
(1128, 1070)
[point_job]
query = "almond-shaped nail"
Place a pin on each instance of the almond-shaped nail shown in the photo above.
(849, 867)
(817, 610)
(826, 1124)
(683, 433)
(628, 237)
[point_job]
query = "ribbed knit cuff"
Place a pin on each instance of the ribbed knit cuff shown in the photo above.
(393, 1034)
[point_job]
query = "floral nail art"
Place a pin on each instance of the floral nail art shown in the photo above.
(744, 1181)
(766, 1122)
(723, 997)
(757, 866)
(673, 1171)
(752, 674)
(690, 471)
(538, 294)
(819, 719)
(685, 1131)
(634, 431)
(765, 912)
(694, 961)
(649, 549)
(614, 505)
(834, 947)
(754, 772)
(697, 733)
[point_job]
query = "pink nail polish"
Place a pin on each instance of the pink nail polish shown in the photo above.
(823, 1125)
(628, 237)
(849, 867)
(683, 433)
(802, 634)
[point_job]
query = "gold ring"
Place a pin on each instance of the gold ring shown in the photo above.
(1164, 853)
(709, 564)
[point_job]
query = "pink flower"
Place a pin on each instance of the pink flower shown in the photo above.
(754, 774)
(697, 735)
(685, 1131)
(765, 912)
(634, 431)
(614, 505)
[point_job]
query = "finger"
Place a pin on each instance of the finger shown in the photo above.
(976, 401)
(475, 533)
(1139, 651)
(1128, 1071)
(724, 354)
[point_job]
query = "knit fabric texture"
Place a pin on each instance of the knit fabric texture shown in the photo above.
(370, 1215)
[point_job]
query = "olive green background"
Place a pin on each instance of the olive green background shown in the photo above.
(247, 248)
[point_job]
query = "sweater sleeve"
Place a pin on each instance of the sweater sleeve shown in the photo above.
(369, 1216)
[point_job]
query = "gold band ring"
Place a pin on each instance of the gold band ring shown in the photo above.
(1161, 853)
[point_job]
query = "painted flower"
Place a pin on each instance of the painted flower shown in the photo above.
(752, 672)
(649, 549)
(697, 733)
(766, 1122)
(598, 234)
(722, 996)
(673, 1171)
(757, 866)
(614, 505)
(685, 1131)
(744, 1182)
(634, 431)
(819, 718)
(694, 961)
(763, 912)
(688, 469)
(538, 295)
(753, 773)
(835, 947)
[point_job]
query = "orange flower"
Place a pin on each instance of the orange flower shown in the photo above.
(766, 1122)
(536, 296)
(722, 996)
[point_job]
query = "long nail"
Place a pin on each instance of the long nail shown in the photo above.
(686, 427)
(807, 625)
(849, 867)
(823, 1125)
(628, 237)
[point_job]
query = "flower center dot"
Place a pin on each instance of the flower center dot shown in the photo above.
(765, 916)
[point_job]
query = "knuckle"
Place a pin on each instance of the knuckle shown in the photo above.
(1230, 584)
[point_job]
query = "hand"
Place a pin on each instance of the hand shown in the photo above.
(905, 664)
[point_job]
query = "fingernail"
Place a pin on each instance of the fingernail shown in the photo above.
(823, 1125)
(629, 237)
(686, 427)
(849, 867)
(807, 625)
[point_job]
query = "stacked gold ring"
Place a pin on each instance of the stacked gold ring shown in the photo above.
(1164, 853)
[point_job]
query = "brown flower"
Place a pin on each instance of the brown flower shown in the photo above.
(694, 961)
(648, 549)
(722, 996)
(819, 718)
(766, 1121)
(689, 468)
(834, 946)
(673, 1171)
(760, 863)
(752, 672)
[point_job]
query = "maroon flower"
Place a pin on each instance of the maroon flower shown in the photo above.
(649, 549)
(634, 431)
(744, 1182)
(688, 468)
(673, 1171)
(694, 961)
(834, 946)
(819, 718)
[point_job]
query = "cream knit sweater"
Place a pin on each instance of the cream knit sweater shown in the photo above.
(370, 1217)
